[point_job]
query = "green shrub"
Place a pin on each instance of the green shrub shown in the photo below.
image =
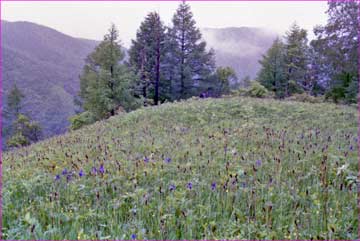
(80, 120)
(257, 90)
(17, 140)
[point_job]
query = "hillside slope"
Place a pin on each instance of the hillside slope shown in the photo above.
(45, 64)
(235, 168)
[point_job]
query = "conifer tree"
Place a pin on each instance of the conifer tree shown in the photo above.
(296, 60)
(22, 130)
(189, 62)
(272, 74)
(146, 57)
(14, 102)
(106, 83)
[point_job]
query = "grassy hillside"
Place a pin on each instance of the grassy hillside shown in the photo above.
(236, 168)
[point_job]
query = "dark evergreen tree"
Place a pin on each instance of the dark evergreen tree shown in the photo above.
(296, 60)
(146, 57)
(25, 132)
(273, 72)
(106, 83)
(14, 103)
(190, 63)
(22, 130)
(337, 46)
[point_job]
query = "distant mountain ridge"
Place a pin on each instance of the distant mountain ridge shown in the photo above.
(45, 64)
(239, 47)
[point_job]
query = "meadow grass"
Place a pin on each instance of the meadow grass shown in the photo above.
(232, 168)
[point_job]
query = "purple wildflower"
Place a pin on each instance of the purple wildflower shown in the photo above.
(93, 170)
(101, 169)
(57, 177)
(68, 177)
(258, 163)
(167, 160)
(133, 236)
(64, 172)
(172, 187)
(146, 160)
(81, 173)
(189, 185)
(351, 148)
(213, 186)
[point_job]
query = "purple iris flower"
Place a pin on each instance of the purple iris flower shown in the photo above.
(146, 160)
(167, 160)
(172, 187)
(258, 163)
(68, 177)
(101, 169)
(81, 173)
(351, 148)
(213, 186)
(93, 170)
(189, 185)
(64, 172)
(57, 177)
(133, 236)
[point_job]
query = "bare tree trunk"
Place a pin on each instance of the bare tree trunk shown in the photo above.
(157, 80)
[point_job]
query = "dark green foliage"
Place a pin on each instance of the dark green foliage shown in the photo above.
(106, 83)
(147, 57)
(296, 60)
(337, 44)
(256, 90)
(81, 119)
(343, 89)
(14, 100)
(25, 132)
(189, 63)
(273, 72)
(22, 131)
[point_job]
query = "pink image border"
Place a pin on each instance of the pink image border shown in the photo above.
(1, 90)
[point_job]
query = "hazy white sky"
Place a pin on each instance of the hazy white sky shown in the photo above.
(92, 19)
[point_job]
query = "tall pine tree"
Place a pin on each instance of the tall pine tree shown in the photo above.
(105, 84)
(296, 59)
(146, 57)
(273, 70)
(189, 62)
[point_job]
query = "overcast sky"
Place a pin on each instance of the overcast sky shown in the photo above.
(92, 19)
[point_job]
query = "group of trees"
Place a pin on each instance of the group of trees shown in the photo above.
(328, 65)
(172, 63)
(22, 130)
(164, 64)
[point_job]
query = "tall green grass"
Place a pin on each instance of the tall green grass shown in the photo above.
(258, 169)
